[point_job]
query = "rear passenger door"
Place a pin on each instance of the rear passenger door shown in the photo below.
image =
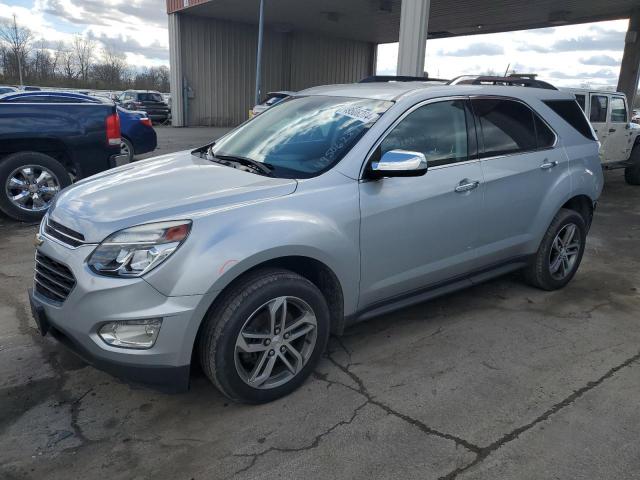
(520, 166)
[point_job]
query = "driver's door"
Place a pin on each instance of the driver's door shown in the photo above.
(418, 232)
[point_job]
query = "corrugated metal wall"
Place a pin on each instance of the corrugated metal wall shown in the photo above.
(218, 62)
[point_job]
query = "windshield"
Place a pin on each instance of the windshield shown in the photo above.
(304, 136)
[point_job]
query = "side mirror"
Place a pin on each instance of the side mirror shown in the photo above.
(399, 163)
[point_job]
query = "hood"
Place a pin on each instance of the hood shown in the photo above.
(171, 187)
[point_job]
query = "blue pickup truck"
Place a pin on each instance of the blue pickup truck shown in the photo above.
(46, 143)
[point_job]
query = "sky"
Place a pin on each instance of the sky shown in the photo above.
(573, 55)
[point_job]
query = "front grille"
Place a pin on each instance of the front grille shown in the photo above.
(63, 234)
(52, 279)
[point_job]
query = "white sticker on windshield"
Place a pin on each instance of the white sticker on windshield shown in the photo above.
(359, 113)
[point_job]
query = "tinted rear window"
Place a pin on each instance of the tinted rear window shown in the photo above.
(150, 97)
(507, 126)
(570, 111)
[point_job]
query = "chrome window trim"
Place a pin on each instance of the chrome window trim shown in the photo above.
(406, 113)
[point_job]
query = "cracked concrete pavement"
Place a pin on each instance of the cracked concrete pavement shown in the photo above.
(497, 381)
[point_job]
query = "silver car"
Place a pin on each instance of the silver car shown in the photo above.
(336, 205)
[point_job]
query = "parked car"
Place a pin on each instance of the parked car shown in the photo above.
(272, 99)
(6, 89)
(147, 101)
(45, 144)
(608, 113)
(138, 135)
(340, 204)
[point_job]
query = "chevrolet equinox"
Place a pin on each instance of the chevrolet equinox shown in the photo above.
(336, 205)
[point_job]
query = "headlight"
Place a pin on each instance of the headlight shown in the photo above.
(135, 251)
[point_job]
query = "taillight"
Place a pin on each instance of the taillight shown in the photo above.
(146, 121)
(113, 129)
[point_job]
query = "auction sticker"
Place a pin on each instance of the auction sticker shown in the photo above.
(359, 113)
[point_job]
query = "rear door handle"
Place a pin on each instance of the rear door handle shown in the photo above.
(547, 165)
(466, 185)
(611, 130)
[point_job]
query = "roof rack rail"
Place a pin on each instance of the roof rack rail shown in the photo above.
(399, 78)
(512, 81)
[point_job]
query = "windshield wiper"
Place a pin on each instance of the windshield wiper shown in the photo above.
(264, 168)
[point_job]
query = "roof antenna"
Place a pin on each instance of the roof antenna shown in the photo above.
(506, 72)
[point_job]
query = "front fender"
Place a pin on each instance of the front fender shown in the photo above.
(315, 223)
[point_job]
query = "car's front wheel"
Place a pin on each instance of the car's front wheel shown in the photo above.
(560, 252)
(264, 336)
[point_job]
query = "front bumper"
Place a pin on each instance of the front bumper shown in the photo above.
(95, 300)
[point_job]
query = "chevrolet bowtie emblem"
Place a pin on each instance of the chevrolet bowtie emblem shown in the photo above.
(38, 240)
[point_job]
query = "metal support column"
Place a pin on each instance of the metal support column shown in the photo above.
(259, 59)
(630, 68)
(414, 23)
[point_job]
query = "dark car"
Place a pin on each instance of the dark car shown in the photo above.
(48, 139)
(147, 101)
(6, 89)
(138, 135)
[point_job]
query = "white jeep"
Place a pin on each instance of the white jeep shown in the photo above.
(608, 113)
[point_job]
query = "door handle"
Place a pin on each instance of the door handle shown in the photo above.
(611, 130)
(547, 165)
(466, 185)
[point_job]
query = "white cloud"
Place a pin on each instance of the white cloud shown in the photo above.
(565, 56)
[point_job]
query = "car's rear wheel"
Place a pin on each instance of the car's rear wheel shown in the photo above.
(126, 148)
(632, 172)
(264, 336)
(560, 252)
(29, 181)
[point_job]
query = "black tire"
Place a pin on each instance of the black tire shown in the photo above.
(129, 146)
(538, 273)
(13, 161)
(226, 319)
(632, 173)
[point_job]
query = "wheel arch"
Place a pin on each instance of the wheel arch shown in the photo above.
(583, 205)
(314, 270)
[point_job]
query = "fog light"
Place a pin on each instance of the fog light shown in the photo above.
(131, 333)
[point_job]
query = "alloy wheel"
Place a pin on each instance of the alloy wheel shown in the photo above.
(276, 342)
(32, 187)
(564, 251)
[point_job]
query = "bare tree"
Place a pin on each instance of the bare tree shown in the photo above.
(111, 70)
(18, 40)
(83, 49)
(67, 60)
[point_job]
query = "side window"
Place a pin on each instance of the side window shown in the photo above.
(582, 101)
(439, 130)
(506, 126)
(618, 110)
(546, 137)
(599, 106)
(571, 113)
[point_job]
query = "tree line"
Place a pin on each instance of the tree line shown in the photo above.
(81, 63)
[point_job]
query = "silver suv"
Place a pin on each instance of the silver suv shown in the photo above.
(336, 205)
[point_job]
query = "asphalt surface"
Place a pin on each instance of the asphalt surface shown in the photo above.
(500, 381)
